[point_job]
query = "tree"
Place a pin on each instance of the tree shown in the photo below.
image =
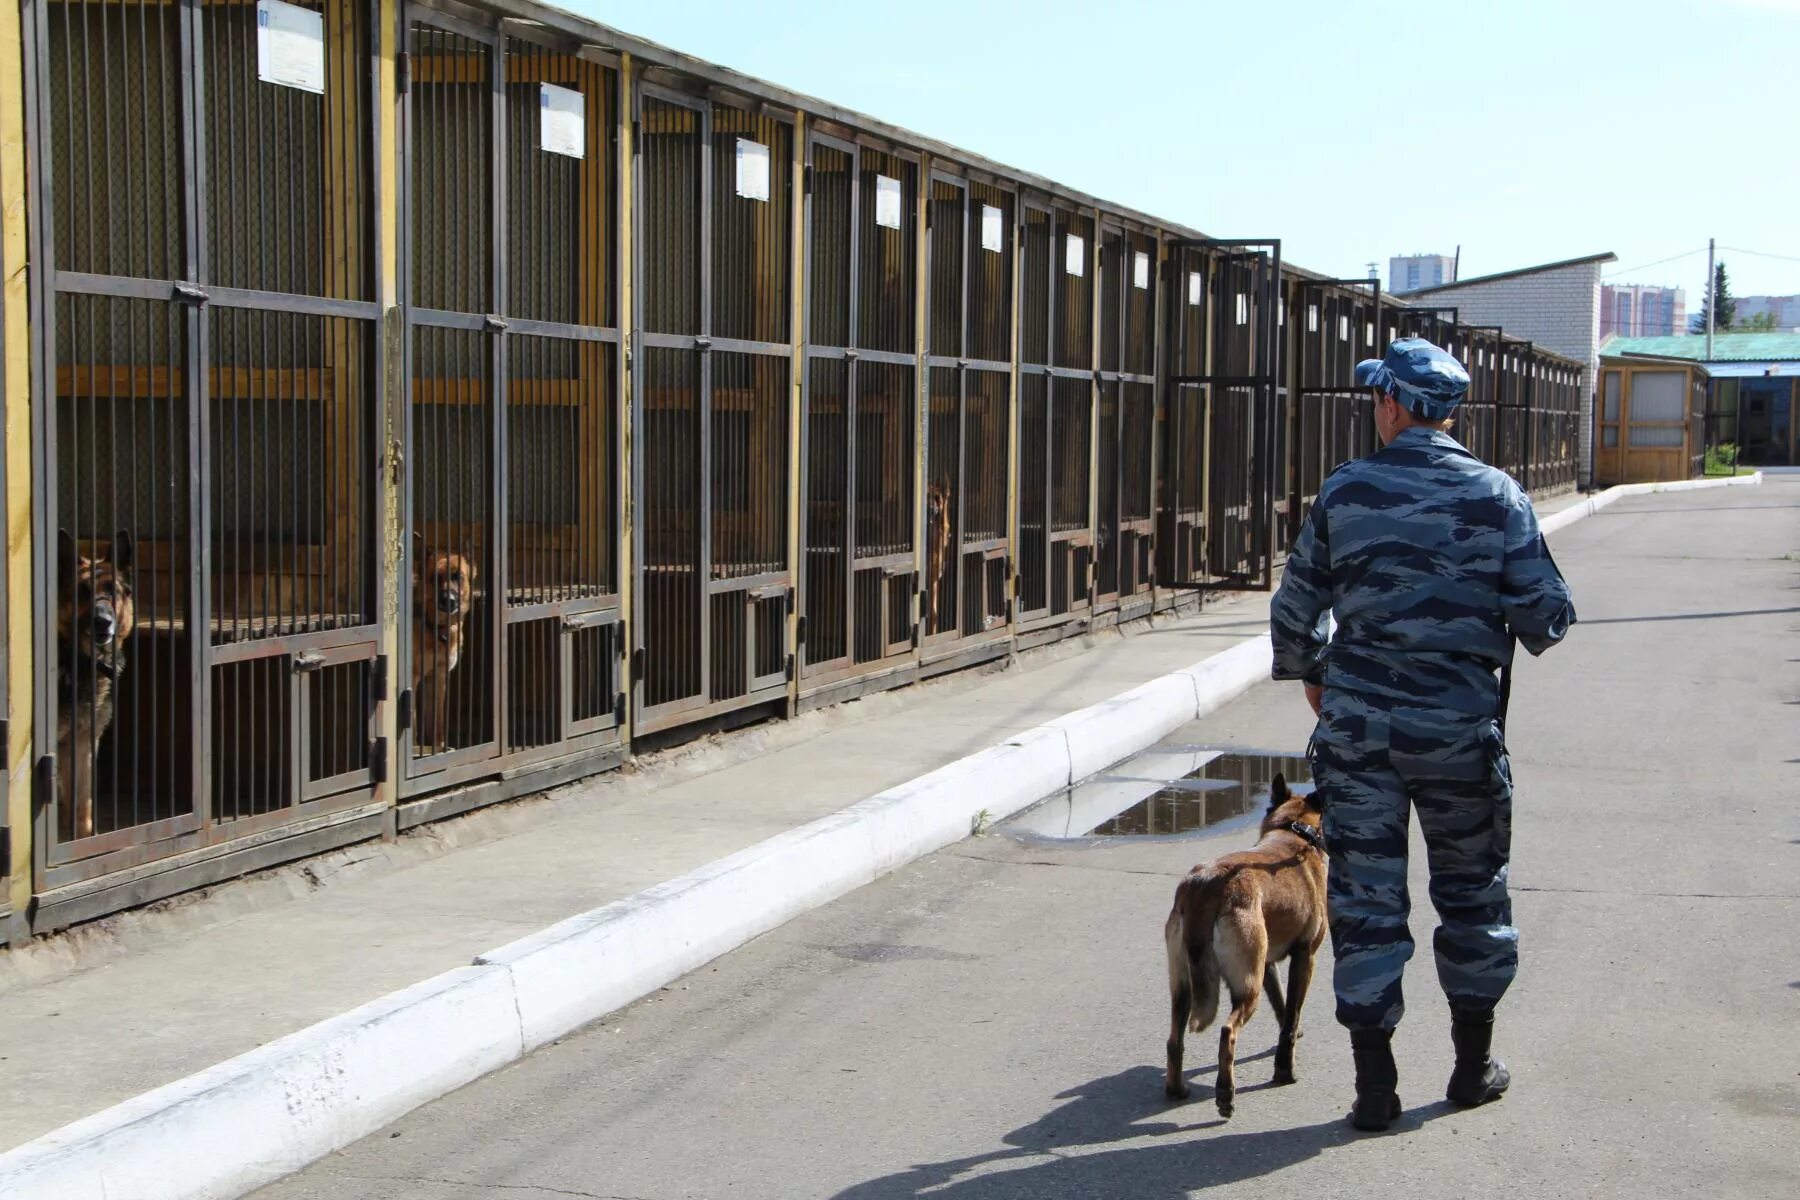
(1762, 322)
(1727, 306)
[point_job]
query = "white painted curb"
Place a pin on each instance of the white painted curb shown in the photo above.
(252, 1119)
(1600, 500)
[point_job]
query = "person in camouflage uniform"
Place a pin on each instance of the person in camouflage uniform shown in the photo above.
(1432, 564)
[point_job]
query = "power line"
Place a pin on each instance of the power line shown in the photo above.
(1760, 253)
(1659, 262)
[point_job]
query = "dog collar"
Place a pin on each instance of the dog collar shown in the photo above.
(1307, 834)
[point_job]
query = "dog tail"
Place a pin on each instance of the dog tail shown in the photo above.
(1193, 965)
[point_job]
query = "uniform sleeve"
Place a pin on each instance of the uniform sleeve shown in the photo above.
(1299, 615)
(1533, 594)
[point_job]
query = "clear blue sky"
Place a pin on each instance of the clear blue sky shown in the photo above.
(1352, 130)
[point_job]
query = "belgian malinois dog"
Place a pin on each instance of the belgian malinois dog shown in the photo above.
(1234, 919)
(937, 546)
(95, 615)
(443, 592)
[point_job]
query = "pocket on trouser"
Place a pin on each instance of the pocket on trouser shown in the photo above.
(1500, 784)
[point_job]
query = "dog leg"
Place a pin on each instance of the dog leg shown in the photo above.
(1272, 989)
(1300, 969)
(1241, 947)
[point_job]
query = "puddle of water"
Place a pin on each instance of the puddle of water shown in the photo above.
(1164, 792)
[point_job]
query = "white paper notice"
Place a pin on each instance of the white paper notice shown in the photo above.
(993, 229)
(562, 121)
(1140, 271)
(290, 46)
(1243, 309)
(1194, 289)
(887, 202)
(1074, 254)
(1343, 329)
(752, 170)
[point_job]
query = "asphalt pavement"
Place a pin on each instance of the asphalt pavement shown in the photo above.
(988, 1023)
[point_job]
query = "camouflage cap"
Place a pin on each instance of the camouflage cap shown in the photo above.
(1427, 381)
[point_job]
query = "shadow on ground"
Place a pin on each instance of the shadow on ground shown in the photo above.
(1118, 1108)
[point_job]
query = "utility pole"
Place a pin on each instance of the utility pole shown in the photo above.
(1712, 283)
(1456, 267)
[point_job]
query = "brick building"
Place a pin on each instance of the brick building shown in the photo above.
(1556, 305)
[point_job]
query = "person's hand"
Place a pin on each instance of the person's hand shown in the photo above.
(1315, 696)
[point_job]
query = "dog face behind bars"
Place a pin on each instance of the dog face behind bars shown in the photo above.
(95, 617)
(443, 593)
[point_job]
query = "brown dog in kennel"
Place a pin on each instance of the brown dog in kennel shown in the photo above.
(95, 615)
(443, 592)
(937, 546)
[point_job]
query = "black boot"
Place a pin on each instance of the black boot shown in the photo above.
(1376, 1078)
(1477, 1078)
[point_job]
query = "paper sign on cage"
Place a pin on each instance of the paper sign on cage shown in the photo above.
(1075, 255)
(887, 202)
(993, 229)
(562, 120)
(1194, 289)
(752, 170)
(1140, 271)
(290, 46)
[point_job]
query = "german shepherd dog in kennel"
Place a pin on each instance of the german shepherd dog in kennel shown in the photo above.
(1234, 919)
(443, 592)
(95, 615)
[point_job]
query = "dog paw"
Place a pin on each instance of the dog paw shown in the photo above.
(1283, 1078)
(1175, 1091)
(1225, 1108)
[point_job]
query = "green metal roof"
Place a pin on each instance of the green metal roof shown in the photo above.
(1727, 347)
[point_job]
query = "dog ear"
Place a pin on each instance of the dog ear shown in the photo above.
(66, 549)
(1278, 790)
(123, 552)
(1315, 800)
(418, 556)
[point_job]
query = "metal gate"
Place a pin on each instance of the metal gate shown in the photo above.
(1124, 523)
(1056, 416)
(968, 423)
(204, 432)
(860, 570)
(510, 593)
(712, 369)
(1477, 416)
(1334, 329)
(1221, 414)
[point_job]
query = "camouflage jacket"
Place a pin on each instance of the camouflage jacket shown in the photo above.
(1431, 562)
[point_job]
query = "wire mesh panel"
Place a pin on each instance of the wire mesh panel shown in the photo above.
(514, 500)
(1057, 357)
(1124, 524)
(204, 427)
(859, 596)
(967, 427)
(711, 409)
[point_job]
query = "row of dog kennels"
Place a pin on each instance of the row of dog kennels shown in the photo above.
(415, 405)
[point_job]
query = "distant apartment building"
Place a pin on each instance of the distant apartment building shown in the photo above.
(1785, 308)
(1640, 310)
(1411, 272)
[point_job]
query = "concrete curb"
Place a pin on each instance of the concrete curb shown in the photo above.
(297, 1099)
(1600, 500)
(252, 1119)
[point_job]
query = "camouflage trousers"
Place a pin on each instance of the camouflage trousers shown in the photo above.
(1373, 764)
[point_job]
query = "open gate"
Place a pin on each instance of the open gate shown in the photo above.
(1124, 522)
(1221, 414)
(965, 605)
(860, 570)
(510, 619)
(1056, 416)
(204, 423)
(710, 405)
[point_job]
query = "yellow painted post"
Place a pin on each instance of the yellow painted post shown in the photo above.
(394, 390)
(921, 401)
(16, 390)
(626, 256)
(796, 411)
(1014, 534)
